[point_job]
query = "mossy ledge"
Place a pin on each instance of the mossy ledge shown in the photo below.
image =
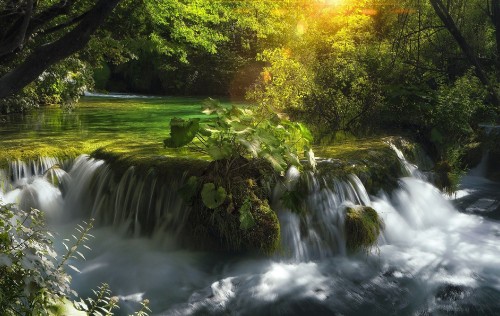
(372, 160)
(246, 182)
(164, 166)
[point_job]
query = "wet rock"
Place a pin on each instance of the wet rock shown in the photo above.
(362, 227)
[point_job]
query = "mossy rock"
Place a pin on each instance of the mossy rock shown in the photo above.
(362, 227)
(264, 236)
(243, 221)
(372, 160)
(377, 168)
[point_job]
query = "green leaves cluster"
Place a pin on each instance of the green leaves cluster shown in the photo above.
(238, 132)
(31, 282)
(33, 279)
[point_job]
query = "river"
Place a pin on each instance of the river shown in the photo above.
(438, 255)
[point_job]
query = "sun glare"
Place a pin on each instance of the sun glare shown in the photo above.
(333, 2)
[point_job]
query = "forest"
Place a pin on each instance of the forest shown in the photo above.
(308, 108)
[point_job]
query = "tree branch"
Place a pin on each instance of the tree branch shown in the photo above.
(467, 50)
(65, 24)
(49, 54)
(60, 8)
(17, 39)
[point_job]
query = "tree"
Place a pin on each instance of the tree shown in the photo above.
(444, 15)
(29, 25)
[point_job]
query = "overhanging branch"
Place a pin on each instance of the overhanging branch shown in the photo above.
(17, 39)
(49, 54)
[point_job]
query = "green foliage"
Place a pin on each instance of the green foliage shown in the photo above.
(33, 280)
(102, 304)
(29, 278)
(213, 197)
(238, 132)
(453, 115)
(246, 219)
(283, 84)
(182, 132)
(62, 84)
(328, 76)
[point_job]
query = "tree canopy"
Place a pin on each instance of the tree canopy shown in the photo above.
(341, 66)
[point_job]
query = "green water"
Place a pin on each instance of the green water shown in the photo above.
(129, 125)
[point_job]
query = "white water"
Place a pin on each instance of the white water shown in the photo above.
(431, 259)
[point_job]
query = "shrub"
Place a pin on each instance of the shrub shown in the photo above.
(31, 280)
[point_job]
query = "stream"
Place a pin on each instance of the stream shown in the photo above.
(438, 255)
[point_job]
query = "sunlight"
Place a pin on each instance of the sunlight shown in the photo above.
(333, 2)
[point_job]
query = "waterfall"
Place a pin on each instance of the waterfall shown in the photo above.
(430, 259)
(133, 201)
(318, 232)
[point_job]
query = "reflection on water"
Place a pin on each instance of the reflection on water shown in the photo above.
(96, 122)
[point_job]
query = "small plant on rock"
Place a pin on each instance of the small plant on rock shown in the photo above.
(245, 149)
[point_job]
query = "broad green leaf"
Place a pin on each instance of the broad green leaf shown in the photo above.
(182, 132)
(239, 128)
(292, 159)
(276, 161)
(223, 151)
(211, 106)
(253, 146)
(205, 131)
(212, 197)
(246, 218)
(305, 132)
(235, 111)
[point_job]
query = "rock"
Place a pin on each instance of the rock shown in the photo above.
(362, 227)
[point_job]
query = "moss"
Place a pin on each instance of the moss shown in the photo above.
(362, 227)
(162, 165)
(372, 160)
(128, 126)
(221, 228)
(265, 235)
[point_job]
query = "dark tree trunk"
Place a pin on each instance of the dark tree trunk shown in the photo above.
(443, 13)
(17, 38)
(49, 54)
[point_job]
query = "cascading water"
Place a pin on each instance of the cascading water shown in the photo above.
(430, 260)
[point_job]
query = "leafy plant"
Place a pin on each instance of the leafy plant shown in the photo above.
(246, 148)
(103, 303)
(246, 218)
(239, 132)
(31, 279)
